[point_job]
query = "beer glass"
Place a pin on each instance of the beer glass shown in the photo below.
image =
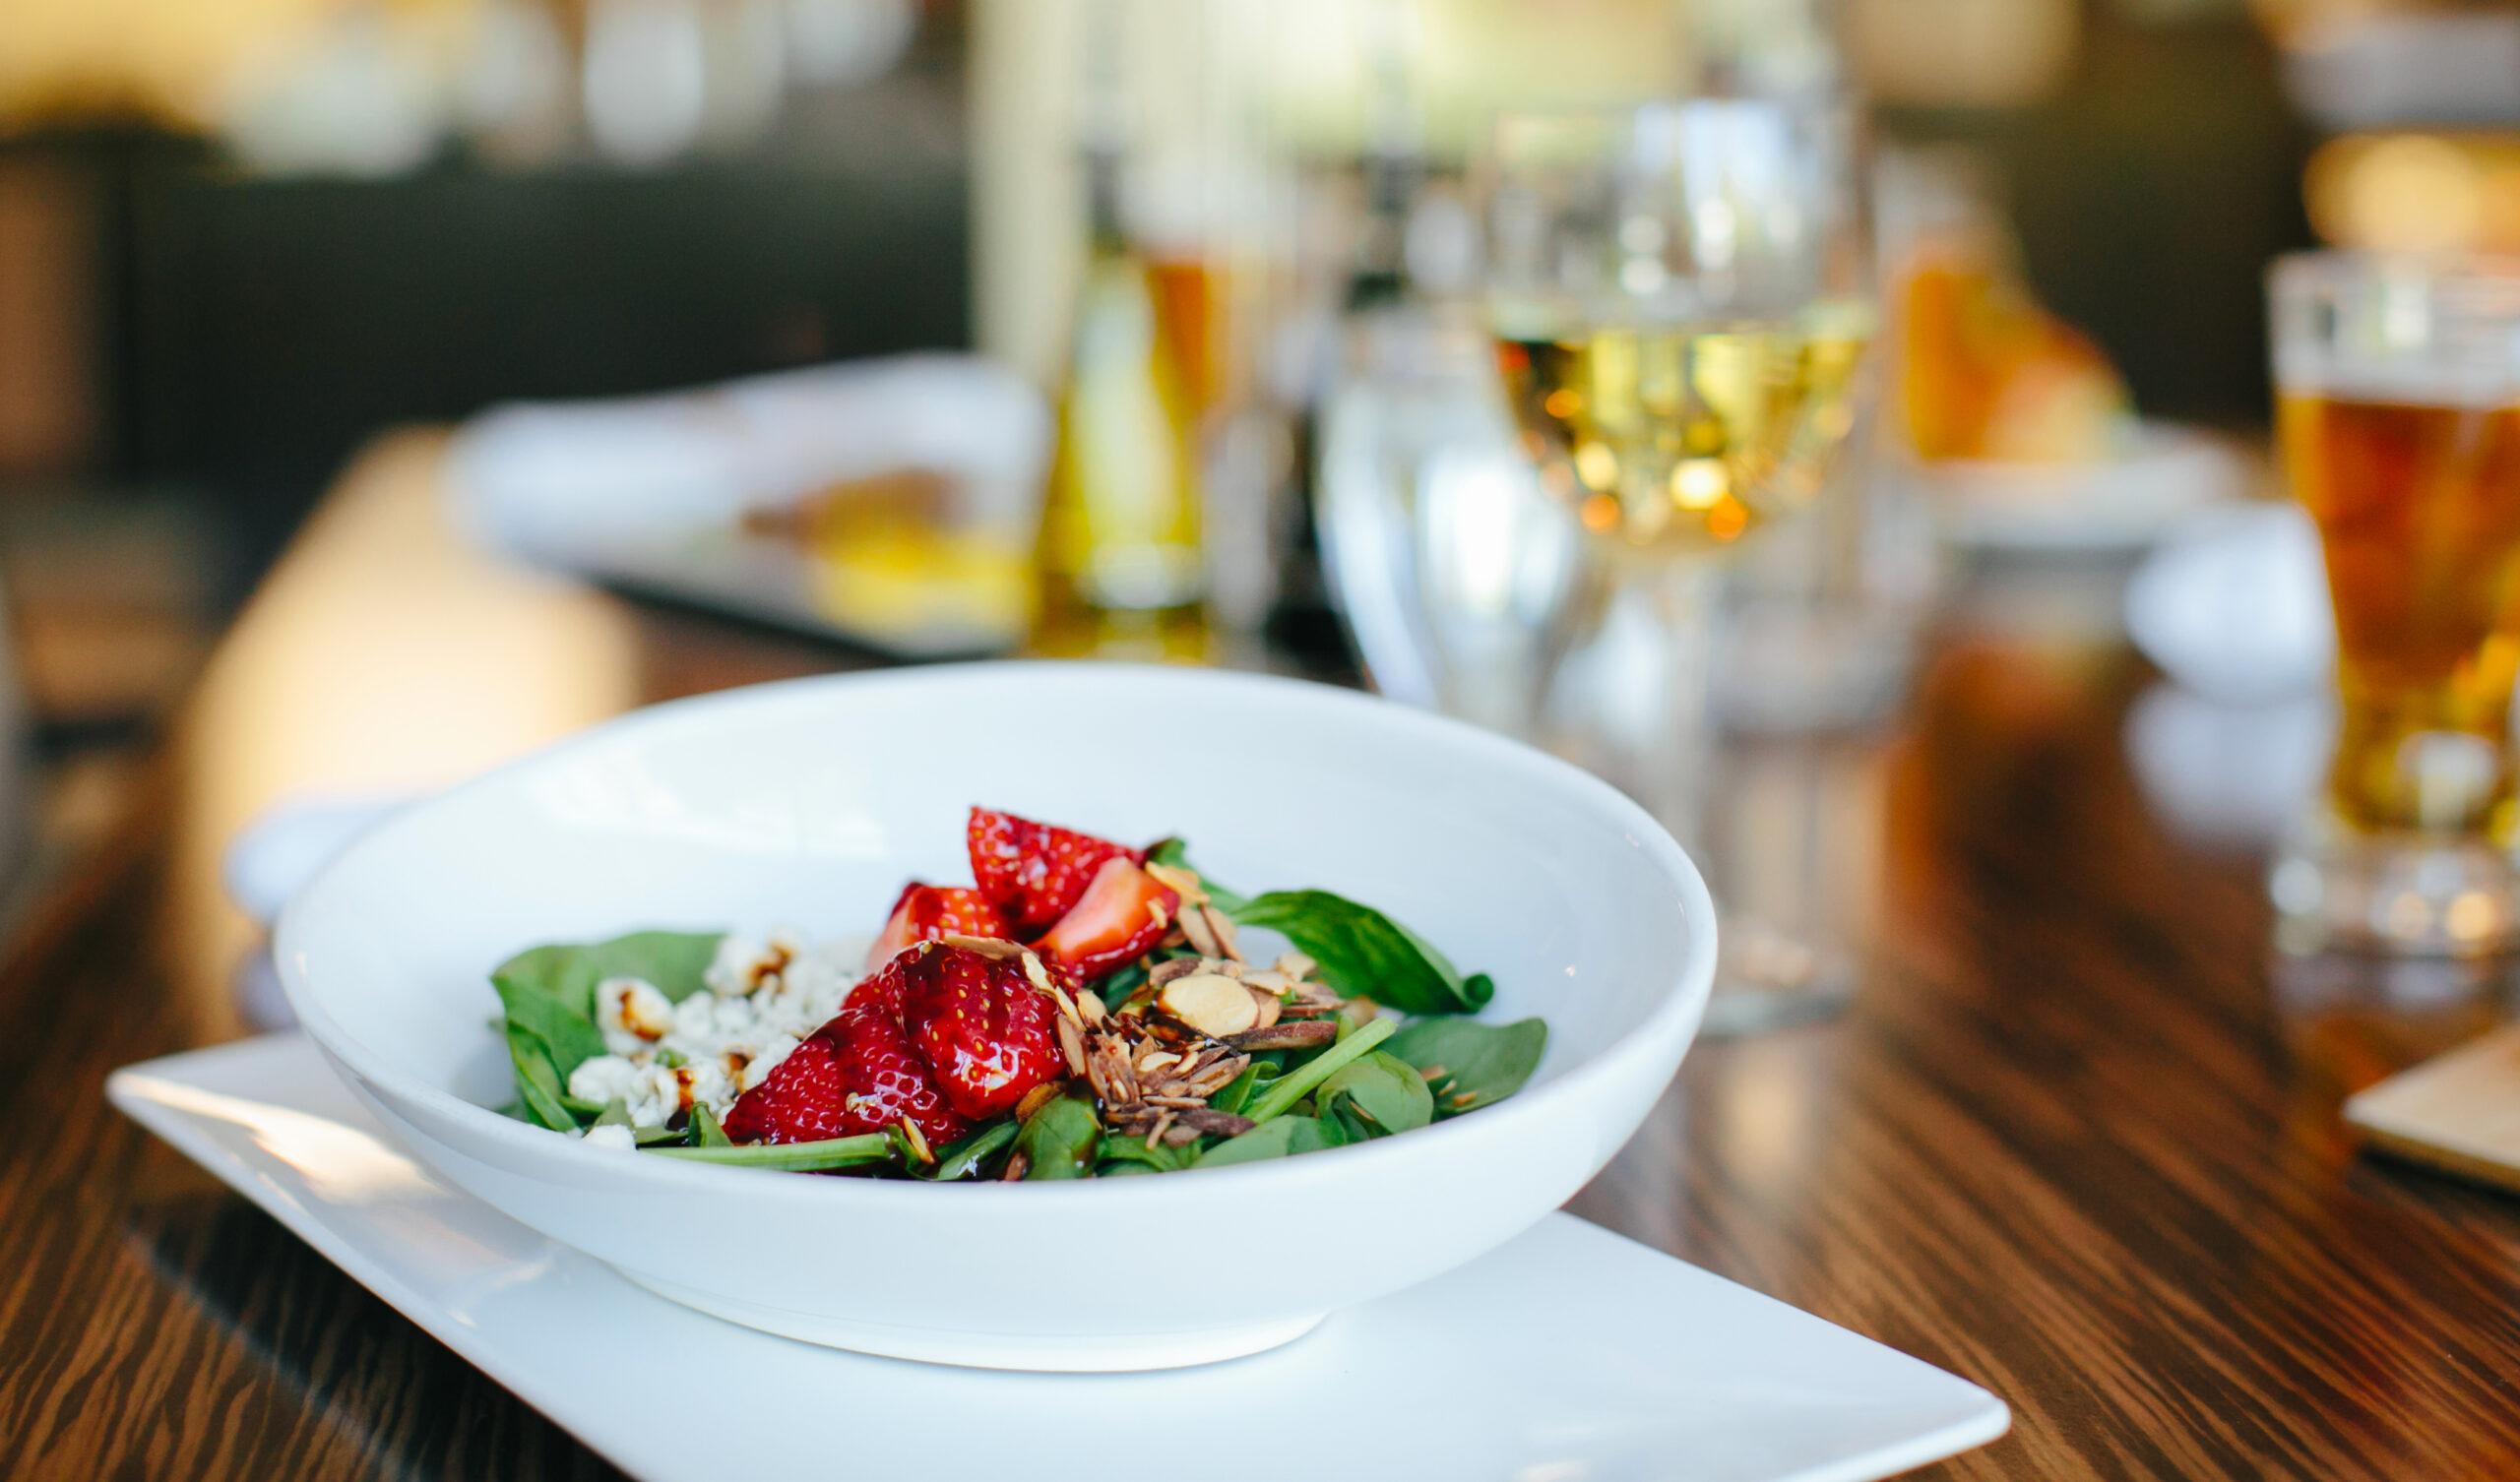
(2398, 410)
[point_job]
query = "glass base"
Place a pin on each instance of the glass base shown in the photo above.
(1768, 979)
(2412, 893)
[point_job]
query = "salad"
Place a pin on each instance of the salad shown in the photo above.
(1082, 1010)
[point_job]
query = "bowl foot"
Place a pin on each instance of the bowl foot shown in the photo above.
(1095, 1353)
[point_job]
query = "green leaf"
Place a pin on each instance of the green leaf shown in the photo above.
(965, 1158)
(568, 1037)
(547, 996)
(1257, 1076)
(538, 1083)
(1362, 951)
(1122, 1156)
(1385, 1091)
(1059, 1140)
(672, 960)
(803, 1157)
(704, 1131)
(1468, 1064)
(1298, 1083)
(1284, 1138)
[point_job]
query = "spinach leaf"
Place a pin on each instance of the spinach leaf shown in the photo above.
(1122, 1156)
(1298, 1083)
(1059, 1140)
(704, 1131)
(965, 1158)
(1362, 951)
(799, 1157)
(537, 1080)
(1284, 1138)
(672, 960)
(567, 1036)
(1257, 1076)
(1469, 1065)
(1384, 1092)
(547, 995)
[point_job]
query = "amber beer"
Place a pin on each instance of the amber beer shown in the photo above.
(2418, 507)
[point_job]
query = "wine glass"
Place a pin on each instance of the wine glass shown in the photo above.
(1679, 296)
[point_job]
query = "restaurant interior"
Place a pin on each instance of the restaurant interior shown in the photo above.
(2025, 492)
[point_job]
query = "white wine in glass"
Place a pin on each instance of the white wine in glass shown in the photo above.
(1686, 435)
(1680, 298)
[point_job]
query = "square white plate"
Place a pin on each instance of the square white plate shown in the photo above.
(1567, 1353)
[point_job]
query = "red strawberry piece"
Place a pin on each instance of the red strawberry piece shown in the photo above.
(925, 912)
(987, 1031)
(1122, 914)
(1035, 872)
(858, 1073)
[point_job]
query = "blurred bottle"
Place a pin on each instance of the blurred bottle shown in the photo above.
(1119, 565)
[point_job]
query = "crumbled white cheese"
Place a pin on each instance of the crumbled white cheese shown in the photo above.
(763, 998)
(632, 1014)
(611, 1134)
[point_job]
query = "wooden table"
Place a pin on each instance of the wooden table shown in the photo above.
(2076, 1139)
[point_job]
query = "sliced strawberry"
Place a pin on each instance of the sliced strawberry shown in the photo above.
(1123, 912)
(925, 912)
(1033, 872)
(985, 1030)
(858, 1073)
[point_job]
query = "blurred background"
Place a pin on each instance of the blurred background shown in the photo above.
(240, 239)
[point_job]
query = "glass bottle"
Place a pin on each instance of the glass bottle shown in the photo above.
(1118, 562)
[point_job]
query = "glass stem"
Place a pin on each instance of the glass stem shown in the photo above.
(1684, 599)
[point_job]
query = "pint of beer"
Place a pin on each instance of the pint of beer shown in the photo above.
(2398, 410)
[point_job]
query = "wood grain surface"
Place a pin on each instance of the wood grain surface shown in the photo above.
(2076, 1139)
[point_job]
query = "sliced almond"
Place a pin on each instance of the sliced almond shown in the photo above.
(1036, 1098)
(1199, 930)
(1209, 1002)
(1295, 1034)
(1071, 1044)
(987, 946)
(1182, 883)
(1223, 929)
(1268, 1005)
(1296, 965)
(1088, 1005)
(1269, 978)
(1173, 967)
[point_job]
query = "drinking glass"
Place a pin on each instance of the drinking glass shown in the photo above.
(2398, 410)
(1679, 297)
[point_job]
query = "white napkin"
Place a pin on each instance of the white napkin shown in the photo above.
(549, 480)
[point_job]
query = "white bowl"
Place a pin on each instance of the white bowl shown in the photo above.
(808, 803)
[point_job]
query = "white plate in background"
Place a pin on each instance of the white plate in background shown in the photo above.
(2168, 473)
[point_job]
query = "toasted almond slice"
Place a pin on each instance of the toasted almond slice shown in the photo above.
(987, 946)
(1035, 1099)
(917, 1142)
(1269, 978)
(1295, 1034)
(1198, 928)
(1268, 1005)
(1211, 1003)
(1088, 1005)
(1296, 965)
(1037, 974)
(1175, 967)
(1182, 881)
(1071, 1044)
(1227, 945)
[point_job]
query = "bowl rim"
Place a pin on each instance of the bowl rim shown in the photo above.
(1682, 1001)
